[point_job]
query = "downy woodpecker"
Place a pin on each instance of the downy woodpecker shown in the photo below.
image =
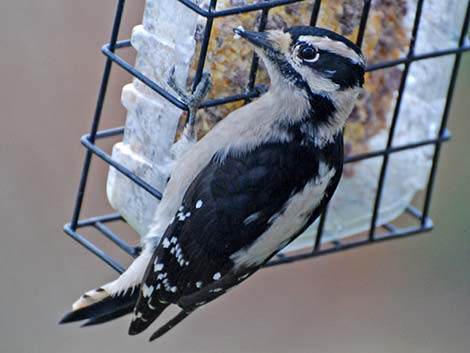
(248, 188)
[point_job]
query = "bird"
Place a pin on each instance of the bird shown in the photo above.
(245, 190)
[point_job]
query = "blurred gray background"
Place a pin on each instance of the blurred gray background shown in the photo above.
(403, 296)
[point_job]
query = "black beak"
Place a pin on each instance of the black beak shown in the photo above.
(258, 39)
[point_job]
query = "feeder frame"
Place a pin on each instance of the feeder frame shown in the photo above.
(420, 216)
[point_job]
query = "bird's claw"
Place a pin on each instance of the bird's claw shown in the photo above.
(201, 90)
(171, 81)
(192, 100)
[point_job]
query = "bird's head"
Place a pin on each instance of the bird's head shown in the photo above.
(322, 67)
(322, 60)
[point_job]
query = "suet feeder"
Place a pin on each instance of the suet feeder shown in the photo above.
(393, 138)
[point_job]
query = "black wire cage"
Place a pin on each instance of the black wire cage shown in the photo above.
(420, 215)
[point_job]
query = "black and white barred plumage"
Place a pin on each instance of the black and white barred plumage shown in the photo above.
(248, 188)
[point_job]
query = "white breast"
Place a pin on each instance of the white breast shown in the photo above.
(284, 225)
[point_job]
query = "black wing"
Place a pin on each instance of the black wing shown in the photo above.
(225, 209)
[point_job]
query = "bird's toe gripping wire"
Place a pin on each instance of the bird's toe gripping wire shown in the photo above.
(192, 100)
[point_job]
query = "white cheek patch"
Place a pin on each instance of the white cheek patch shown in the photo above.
(316, 82)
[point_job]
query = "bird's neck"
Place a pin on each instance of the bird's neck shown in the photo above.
(319, 116)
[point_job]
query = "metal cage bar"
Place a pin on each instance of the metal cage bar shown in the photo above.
(391, 134)
(315, 12)
(423, 222)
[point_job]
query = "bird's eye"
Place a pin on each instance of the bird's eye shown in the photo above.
(308, 53)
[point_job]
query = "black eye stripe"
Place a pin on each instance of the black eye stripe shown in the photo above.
(299, 46)
(327, 55)
(339, 69)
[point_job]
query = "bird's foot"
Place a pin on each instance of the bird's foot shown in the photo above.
(192, 100)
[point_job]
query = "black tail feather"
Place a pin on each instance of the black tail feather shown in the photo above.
(110, 316)
(108, 309)
(143, 320)
(169, 325)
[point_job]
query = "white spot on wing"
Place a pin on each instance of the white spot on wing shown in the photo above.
(166, 243)
(147, 290)
(244, 276)
(199, 284)
(216, 276)
(199, 204)
(251, 218)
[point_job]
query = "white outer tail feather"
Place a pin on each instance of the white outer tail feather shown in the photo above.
(133, 276)
(129, 280)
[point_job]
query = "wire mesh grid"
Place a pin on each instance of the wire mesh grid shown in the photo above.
(420, 216)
